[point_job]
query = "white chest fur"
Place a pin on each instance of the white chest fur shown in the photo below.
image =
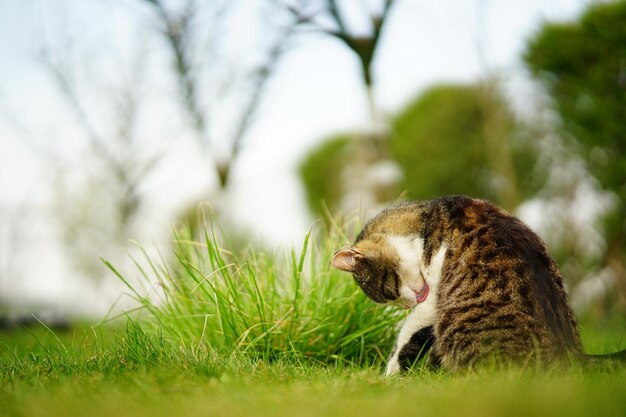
(413, 273)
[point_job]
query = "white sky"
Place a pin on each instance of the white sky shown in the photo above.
(316, 92)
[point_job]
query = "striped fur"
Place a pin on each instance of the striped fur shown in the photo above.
(496, 294)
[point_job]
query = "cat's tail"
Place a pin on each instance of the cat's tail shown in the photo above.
(619, 356)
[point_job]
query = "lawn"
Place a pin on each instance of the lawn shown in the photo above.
(199, 383)
(252, 332)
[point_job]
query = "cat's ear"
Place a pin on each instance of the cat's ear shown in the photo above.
(346, 259)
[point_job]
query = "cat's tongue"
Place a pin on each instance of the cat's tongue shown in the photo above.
(421, 296)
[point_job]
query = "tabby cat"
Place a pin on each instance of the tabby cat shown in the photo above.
(480, 284)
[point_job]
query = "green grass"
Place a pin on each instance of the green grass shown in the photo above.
(259, 304)
(245, 388)
(260, 333)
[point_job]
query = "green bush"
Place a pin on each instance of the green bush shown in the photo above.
(438, 141)
(321, 170)
(453, 139)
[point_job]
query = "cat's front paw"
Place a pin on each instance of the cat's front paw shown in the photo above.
(393, 368)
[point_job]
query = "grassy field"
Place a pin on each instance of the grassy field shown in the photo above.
(255, 333)
(89, 381)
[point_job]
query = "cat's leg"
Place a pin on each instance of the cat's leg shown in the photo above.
(414, 339)
(434, 358)
(417, 348)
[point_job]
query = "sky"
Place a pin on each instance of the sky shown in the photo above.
(315, 92)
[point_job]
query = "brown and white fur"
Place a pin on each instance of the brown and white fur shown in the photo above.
(480, 285)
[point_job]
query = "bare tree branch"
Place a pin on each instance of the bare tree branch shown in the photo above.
(177, 32)
(179, 36)
(334, 12)
(118, 147)
(261, 78)
(67, 87)
(364, 46)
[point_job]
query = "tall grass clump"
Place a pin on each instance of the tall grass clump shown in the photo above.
(261, 304)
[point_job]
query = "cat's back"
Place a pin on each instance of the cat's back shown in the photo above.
(500, 292)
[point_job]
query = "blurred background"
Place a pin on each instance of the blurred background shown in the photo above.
(120, 119)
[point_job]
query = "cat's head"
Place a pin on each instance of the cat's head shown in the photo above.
(387, 268)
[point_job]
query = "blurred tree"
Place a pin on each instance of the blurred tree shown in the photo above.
(218, 103)
(100, 206)
(459, 139)
(219, 99)
(320, 172)
(328, 17)
(463, 139)
(12, 239)
(193, 36)
(365, 154)
(582, 64)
